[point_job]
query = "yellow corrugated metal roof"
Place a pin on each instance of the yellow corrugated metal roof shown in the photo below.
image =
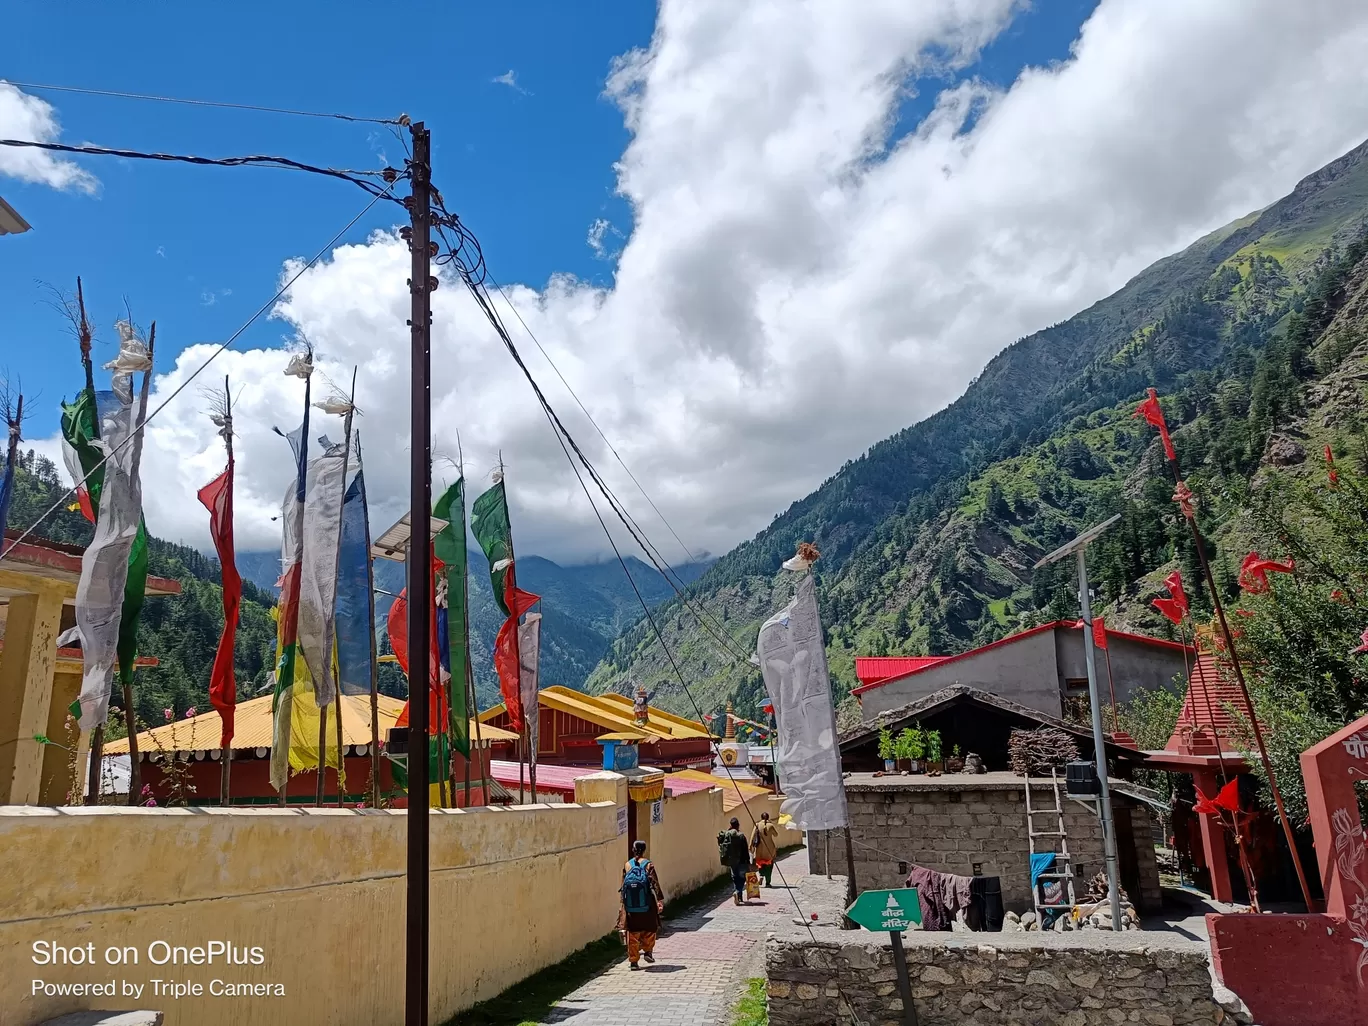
(615, 715)
(252, 727)
(693, 727)
(730, 798)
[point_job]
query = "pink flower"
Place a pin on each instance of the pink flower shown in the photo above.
(169, 713)
(190, 713)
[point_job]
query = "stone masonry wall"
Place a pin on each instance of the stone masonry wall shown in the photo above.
(951, 824)
(1043, 980)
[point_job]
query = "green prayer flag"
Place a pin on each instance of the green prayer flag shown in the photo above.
(489, 524)
(450, 547)
(80, 428)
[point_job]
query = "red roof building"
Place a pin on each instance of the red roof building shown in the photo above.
(874, 670)
(1043, 668)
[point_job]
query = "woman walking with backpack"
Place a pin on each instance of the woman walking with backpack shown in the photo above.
(642, 903)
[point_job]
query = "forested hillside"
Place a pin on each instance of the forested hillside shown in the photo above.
(180, 631)
(929, 538)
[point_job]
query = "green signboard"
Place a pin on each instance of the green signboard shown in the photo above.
(887, 911)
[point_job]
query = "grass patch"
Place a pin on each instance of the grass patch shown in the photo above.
(751, 1010)
(530, 1001)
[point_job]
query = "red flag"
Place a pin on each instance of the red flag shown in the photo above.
(1176, 606)
(397, 626)
(506, 659)
(1330, 468)
(217, 497)
(83, 499)
(1174, 583)
(768, 708)
(1228, 799)
(1254, 572)
(1154, 414)
(1099, 633)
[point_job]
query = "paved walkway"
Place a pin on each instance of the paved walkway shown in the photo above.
(703, 960)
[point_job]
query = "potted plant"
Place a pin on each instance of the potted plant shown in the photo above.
(955, 763)
(934, 762)
(901, 753)
(913, 742)
(888, 750)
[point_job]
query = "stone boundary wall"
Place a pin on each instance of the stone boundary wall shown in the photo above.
(1013, 980)
(320, 893)
(956, 822)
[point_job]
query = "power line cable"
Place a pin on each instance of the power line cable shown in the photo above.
(401, 120)
(348, 175)
(482, 298)
(532, 335)
(559, 430)
(184, 384)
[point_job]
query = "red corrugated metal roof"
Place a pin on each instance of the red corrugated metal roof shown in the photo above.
(872, 669)
(560, 779)
(1211, 696)
(1144, 639)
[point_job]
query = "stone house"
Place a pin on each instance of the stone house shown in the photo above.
(975, 825)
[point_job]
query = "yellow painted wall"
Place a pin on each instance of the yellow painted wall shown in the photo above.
(321, 891)
(684, 845)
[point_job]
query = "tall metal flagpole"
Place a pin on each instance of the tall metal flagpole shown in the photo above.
(419, 579)
(1078, 548)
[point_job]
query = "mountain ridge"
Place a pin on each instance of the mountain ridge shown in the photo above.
(1209, 309)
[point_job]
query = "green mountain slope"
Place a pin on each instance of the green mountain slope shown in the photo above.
(928, 538)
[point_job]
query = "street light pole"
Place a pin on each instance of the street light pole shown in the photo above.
(1078, 548)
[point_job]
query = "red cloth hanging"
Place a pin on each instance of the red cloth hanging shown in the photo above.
(507, 663)
(217, 497)
(396, 624)
(1254, 572)
(1176, 606)
(1154, 414)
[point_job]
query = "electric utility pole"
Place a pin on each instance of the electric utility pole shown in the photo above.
(419, 577)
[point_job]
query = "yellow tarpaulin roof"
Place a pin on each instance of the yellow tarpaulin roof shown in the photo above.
(613, 712)
(252, 727)
(730, 798)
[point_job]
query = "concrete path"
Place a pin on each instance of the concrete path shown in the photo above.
(703, 959)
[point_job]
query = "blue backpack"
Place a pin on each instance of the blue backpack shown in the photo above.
(637, 895)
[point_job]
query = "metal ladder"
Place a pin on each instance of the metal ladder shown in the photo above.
(1062, 870)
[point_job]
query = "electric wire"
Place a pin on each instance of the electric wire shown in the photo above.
(258, 160)
(558, 430)
(401, 120)
(719, 635)
(590, 417)
(196, 373)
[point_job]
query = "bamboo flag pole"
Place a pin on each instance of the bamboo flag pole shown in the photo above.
(85, 336)
(374, 655)
(341, 752)
(225, 784)
(329, 620)
(467, 681)
(134, 778)
(1183, 496)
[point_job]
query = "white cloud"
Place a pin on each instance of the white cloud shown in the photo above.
(795, 288)
(29, 118)
(598, 231)
(510, 78)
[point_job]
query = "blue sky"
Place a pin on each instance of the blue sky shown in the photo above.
(530, 166)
